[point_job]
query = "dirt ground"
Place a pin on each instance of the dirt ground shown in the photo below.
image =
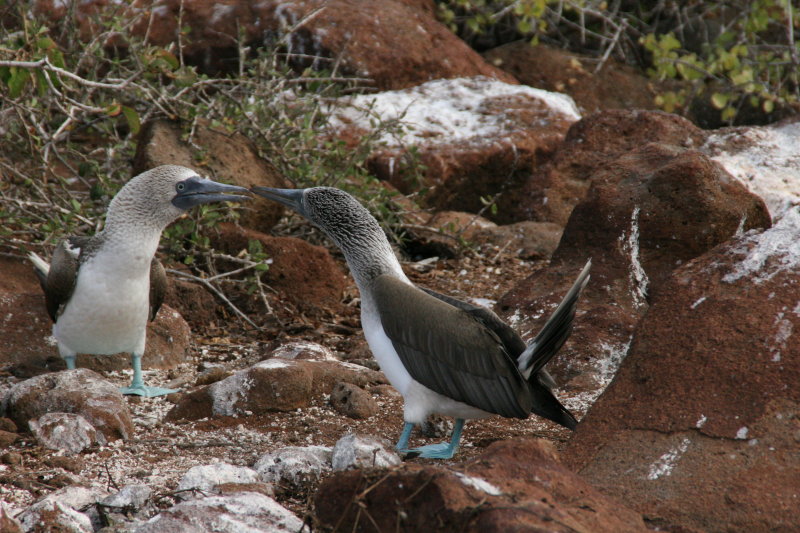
(161, 452)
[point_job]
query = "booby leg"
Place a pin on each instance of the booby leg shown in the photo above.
(138, 387)
(442, 450)
(402, 444)
(68, 356)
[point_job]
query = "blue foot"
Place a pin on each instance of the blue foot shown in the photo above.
(443, 450)
(147, 392)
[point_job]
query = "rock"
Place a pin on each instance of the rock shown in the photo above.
(11, 458)
(194, 303)
(353, 401)
(232, 158)
(6, 424)
(25, 350)
(132, 497)
(67, 432)
(8, 524)
(444, 234)
(78, 391)
(358, 451)
(294, 465)
(245, 511)
(211, 375)
(70, 464)
(553, 189)
(7, 438)
(204, 478)
(484, 139)
(394, 43)
(616, 86)
(646, 213)
(526, 240)
(60, 511)
(303, 350)
(699, 428)
(54, 516)
(305, 276)
(764, 159)
(516, 485)
(272, 385)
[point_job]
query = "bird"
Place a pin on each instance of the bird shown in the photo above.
(445, 356)
(101, 290)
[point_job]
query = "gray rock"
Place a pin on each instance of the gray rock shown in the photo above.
(131, 496)
(304, 350)
(205, 477)
(245, 511)
(66, 432)
(8, 524)
(78, 391)
(358, 451)
(294, 464)
(60, 511)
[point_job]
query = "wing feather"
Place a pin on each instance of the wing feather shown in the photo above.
(449, 350)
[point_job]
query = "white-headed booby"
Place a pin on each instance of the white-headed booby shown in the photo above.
(445, 356)
(101, 290)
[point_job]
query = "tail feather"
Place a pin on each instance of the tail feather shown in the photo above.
(547, 406)
(556, 331)
(40, 267)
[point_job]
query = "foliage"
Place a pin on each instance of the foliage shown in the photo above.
(70, 112)
(730, 53)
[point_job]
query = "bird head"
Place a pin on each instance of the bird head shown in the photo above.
(162, 194)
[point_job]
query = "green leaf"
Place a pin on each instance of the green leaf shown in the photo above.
(768, 106)
(132, 117)
(720, 100)
(16, 83)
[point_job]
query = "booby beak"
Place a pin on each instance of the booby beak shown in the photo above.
(291, 198)
(195, 191)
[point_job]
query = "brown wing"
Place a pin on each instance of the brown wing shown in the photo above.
(449, 351)
(63, 274)
(158, 287)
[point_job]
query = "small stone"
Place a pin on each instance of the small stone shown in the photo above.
(204, 478)
(294, 464)
(65, 432)
(11, 458)
(211, 375)
(7, 438)
(353, 401)
(70, 464)
(362, 452)
(6, 424)
(130, 496)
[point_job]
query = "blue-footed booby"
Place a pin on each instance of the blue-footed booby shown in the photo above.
(101, 290)
(444, 355)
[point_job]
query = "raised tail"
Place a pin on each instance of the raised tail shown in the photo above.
(555, 332)
(40, 267)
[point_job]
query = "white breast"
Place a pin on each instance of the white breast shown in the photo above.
(108, 310)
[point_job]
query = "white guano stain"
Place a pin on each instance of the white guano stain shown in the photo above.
(666, 463)
(630, 247)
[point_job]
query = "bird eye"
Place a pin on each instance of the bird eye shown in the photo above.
(180, 187)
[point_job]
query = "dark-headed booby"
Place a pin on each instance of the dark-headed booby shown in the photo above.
(101, 290)
(445, 356)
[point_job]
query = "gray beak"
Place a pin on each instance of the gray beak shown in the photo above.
(195, 191)
(291, 198)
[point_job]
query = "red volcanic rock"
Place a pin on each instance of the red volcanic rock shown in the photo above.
(475, 138)
(303, 274)
(700, 427)
(276, 384)
(647, 212)
(615, 86)
(515, 485)
(229, 158)
(393, 43)
(78, 391)
(554, 189)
